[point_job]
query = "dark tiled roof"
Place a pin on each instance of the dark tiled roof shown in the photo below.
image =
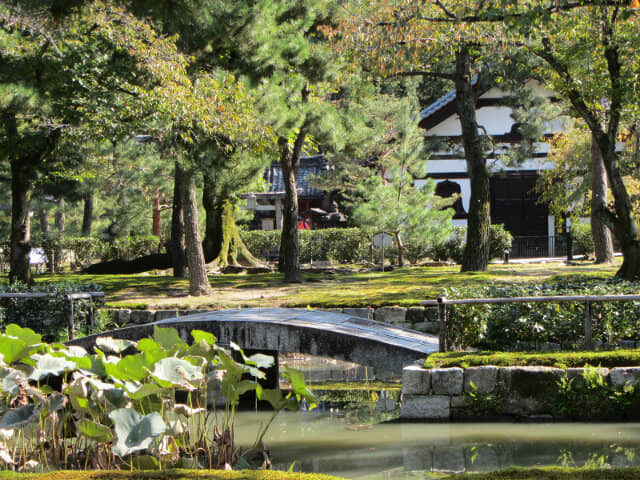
(308, 166)
(441, 108)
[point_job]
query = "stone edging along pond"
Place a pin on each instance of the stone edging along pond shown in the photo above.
(526, 392)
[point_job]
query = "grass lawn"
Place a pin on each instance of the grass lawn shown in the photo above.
(553, 473)
(403, 286)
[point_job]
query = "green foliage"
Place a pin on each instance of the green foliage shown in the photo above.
(582, 238)
(452, 248)
(48, 315)
(510, 326)
(590, 397)
(608, 359)
(112, 410)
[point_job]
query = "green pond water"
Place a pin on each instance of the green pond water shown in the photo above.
(325, 442)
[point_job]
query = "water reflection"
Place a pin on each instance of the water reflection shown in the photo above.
(322, 443)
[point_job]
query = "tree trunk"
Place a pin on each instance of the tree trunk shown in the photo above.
(198, 280)
(60, 218)
(43, 218)
(87, 214)
(400, 249)
(21, 188)
(476, 252)
(602, 238)
(223, 244)
(176, 244)
(289, 259)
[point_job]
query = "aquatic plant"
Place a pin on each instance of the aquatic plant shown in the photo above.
(145, 404)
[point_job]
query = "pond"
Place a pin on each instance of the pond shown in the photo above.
(324, 442)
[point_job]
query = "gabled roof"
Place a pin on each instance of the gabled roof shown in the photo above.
(313, 165)
(442, 108)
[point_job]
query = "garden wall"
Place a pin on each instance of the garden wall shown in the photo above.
(529, 393)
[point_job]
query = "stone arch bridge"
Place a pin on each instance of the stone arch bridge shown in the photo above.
(287, 330)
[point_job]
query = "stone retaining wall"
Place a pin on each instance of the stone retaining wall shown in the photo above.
(444, 394)
(417, 318)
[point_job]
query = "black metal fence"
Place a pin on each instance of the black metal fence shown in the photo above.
(539, 246)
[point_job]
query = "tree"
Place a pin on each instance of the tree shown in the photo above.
(92, 75)
(408, 39)
(393, 204)
(589, 50)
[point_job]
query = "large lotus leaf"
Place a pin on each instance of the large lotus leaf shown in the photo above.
(298, 385)
(132, 367)
(114, 345)
(277, 400)
(137, 390)
(175, 372)
(134, 431)
(56, 402)
(75, 354)
(200, 335)
(12, 349)
(151, 351)
(110, 365)
(19, 417)
(94, 431)
(11, 380)
(47, 365)
(261, 360)
(28, 336)
(169, 339)
(116, 397)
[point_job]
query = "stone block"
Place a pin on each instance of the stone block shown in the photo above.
(425, 407)
(483, 378)
(431, 314)
(447, 381)
(459, 401)
(142, 316)
(166, 315)
(124, 316)
(481, 459)
(620, 376)
(528, 390)
(448, 458)
(393, 315)
(416, 380)
(427, 327)
(359, 312)
(415, 315)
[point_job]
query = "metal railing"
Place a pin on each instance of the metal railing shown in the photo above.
(442, 302)
(69, 298)
(538, 246)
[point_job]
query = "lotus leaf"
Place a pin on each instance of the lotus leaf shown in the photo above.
(114, 345)
(47, 365)
(116, 397)
(169, 339)
(186, 410)
(261, 360)
(11, 380)
(28, 336)
(277, 400)
(137, 390)
(134, 431)
(20, 417)
(298, 385)
(200, 335)
(175, 372)
(56, 401)
(12, 349)
(131, 367)
(94, 431)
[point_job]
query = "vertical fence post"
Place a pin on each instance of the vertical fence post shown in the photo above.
(588, 326)
(442, 316)
(70, 316)
(92, 314)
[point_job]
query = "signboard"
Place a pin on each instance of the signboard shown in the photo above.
(382, 240)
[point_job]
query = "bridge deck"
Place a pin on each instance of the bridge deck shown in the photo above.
(316, 332)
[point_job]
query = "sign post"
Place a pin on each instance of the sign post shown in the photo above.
(382, 240)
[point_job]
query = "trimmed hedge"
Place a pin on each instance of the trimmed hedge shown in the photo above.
(48, 315)
(453, 248)
(523, 326)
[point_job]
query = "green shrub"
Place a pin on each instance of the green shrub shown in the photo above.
(339, 245)
(128, 248)
(582, 238)
(511, 326)
(453, 248)
(48, 315)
